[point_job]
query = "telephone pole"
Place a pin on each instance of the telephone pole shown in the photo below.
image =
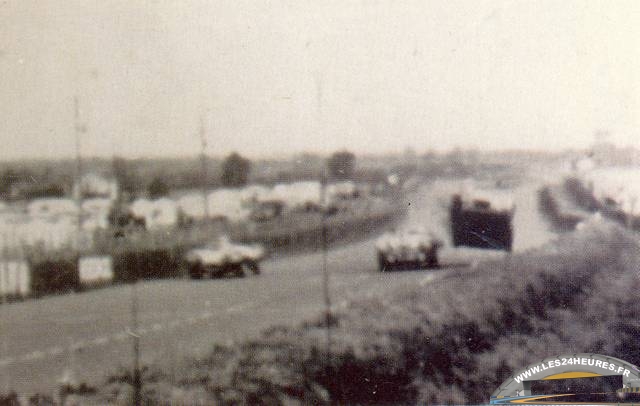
(324, 236)
(325, 268)
(3, 320)
(78, 129)
(137, 376)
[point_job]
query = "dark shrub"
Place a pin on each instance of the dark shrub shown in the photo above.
(156, 263)
(54, 275)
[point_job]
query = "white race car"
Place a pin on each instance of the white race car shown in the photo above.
(410, 249)
(222, 257)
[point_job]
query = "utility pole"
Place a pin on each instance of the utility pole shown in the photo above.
(203, 163)
(323, 204)
(137, 377)
(325, 268)
(3, 305)
(78, 129)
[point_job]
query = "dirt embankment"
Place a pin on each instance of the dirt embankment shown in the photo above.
(452, 341)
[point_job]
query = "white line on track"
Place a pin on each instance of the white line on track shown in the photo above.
(35, 355)
(101, 341)
(341, 306)
(78, 345)
(204, 316)
(53, 351)
(239, 307)
(120, 336)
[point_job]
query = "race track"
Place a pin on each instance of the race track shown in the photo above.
(86, 335)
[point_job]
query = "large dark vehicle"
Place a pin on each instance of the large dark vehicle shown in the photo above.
(476, 223)
(222, 257)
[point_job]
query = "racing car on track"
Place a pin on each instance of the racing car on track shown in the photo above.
(222, 257)
(409, 249)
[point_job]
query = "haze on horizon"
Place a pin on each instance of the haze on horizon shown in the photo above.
(280, 77)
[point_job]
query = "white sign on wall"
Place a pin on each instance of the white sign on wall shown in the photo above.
(95, 269)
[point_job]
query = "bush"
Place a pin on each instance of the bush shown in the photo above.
(49, 276)
(155, 263)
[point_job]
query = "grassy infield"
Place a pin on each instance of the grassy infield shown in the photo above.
(452, 341)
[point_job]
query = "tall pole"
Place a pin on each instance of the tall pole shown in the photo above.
(4, 282)
(137, 378)
(203, 164)
(323, 201)
(325, 268)
(78, 175)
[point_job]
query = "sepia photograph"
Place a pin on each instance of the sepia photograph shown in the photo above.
(288, 203)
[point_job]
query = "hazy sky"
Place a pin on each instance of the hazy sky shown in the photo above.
(275, 77)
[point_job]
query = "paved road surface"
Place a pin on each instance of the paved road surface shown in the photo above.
(86, 335)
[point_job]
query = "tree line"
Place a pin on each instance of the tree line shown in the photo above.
(235, 170)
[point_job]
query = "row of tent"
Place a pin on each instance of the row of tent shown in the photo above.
(54, 222)
(237, 204)
(25, 231)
